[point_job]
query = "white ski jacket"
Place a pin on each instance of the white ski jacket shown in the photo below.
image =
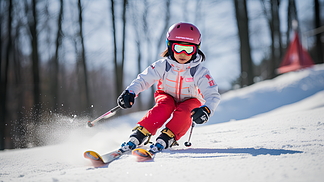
(182, 81)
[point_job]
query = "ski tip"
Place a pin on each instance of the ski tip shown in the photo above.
(92, 156)
(95, 158)
(142, 155)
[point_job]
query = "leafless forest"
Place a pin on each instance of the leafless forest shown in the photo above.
(49, 66)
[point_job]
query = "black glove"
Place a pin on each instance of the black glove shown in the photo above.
(126, 99)
(200, 115)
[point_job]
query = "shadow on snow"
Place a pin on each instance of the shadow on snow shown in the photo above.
(252, 151)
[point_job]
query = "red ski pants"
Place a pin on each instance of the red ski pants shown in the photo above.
(165, 105)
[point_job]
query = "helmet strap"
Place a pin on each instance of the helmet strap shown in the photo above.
(171, 53)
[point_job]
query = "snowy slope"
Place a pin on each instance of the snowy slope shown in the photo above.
(285, 144)
(268, 95)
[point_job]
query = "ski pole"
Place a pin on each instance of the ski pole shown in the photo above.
(106, 115)
(188, 143)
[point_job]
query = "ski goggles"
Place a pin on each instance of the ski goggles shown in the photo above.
(188, 49)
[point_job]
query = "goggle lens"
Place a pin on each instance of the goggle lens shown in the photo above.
(180, 48)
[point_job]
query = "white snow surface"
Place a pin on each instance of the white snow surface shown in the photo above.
(270, 131)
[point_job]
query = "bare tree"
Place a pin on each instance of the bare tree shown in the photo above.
(135, 16)
(275, 23)
(241, 13)
(2, 103)
(118, 81)
(4, 80)
(55, 73)
(166, 25)
(19, 126)
(83, 62)
(319, 47)
(292, 15)
(276, 45)
(121, 67)
(35, 60)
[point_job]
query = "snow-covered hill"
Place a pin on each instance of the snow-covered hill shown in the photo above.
(282, 140)
(268, 95)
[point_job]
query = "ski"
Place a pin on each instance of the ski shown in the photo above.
(103, 160)
(143, 155)
(100, 161)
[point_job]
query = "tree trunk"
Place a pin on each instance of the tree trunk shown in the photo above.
(20, 124)
(117, 84)
(83, 63)
(275, 37)
(292, 15)
(162, 38)
(121, 74)
(276, 21)
(35, 60)
(274, 24)
(55, 74)
(247, 73)
(2, 103)
(319, 48)
(272, 65)
(4, 84)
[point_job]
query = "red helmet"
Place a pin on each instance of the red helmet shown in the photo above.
(184, 32)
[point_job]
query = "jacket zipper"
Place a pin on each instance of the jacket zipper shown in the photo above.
(180, 87)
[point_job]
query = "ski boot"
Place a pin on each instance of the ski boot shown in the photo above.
(164, 141)
(139, 135)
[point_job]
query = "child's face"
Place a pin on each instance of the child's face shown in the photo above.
(182, 58)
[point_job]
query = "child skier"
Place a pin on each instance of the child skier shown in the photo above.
(185, 90)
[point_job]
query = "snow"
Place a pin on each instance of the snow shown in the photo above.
(270, 131)
(268, 95)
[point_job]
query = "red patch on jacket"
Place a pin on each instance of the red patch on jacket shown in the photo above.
(211, 81)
